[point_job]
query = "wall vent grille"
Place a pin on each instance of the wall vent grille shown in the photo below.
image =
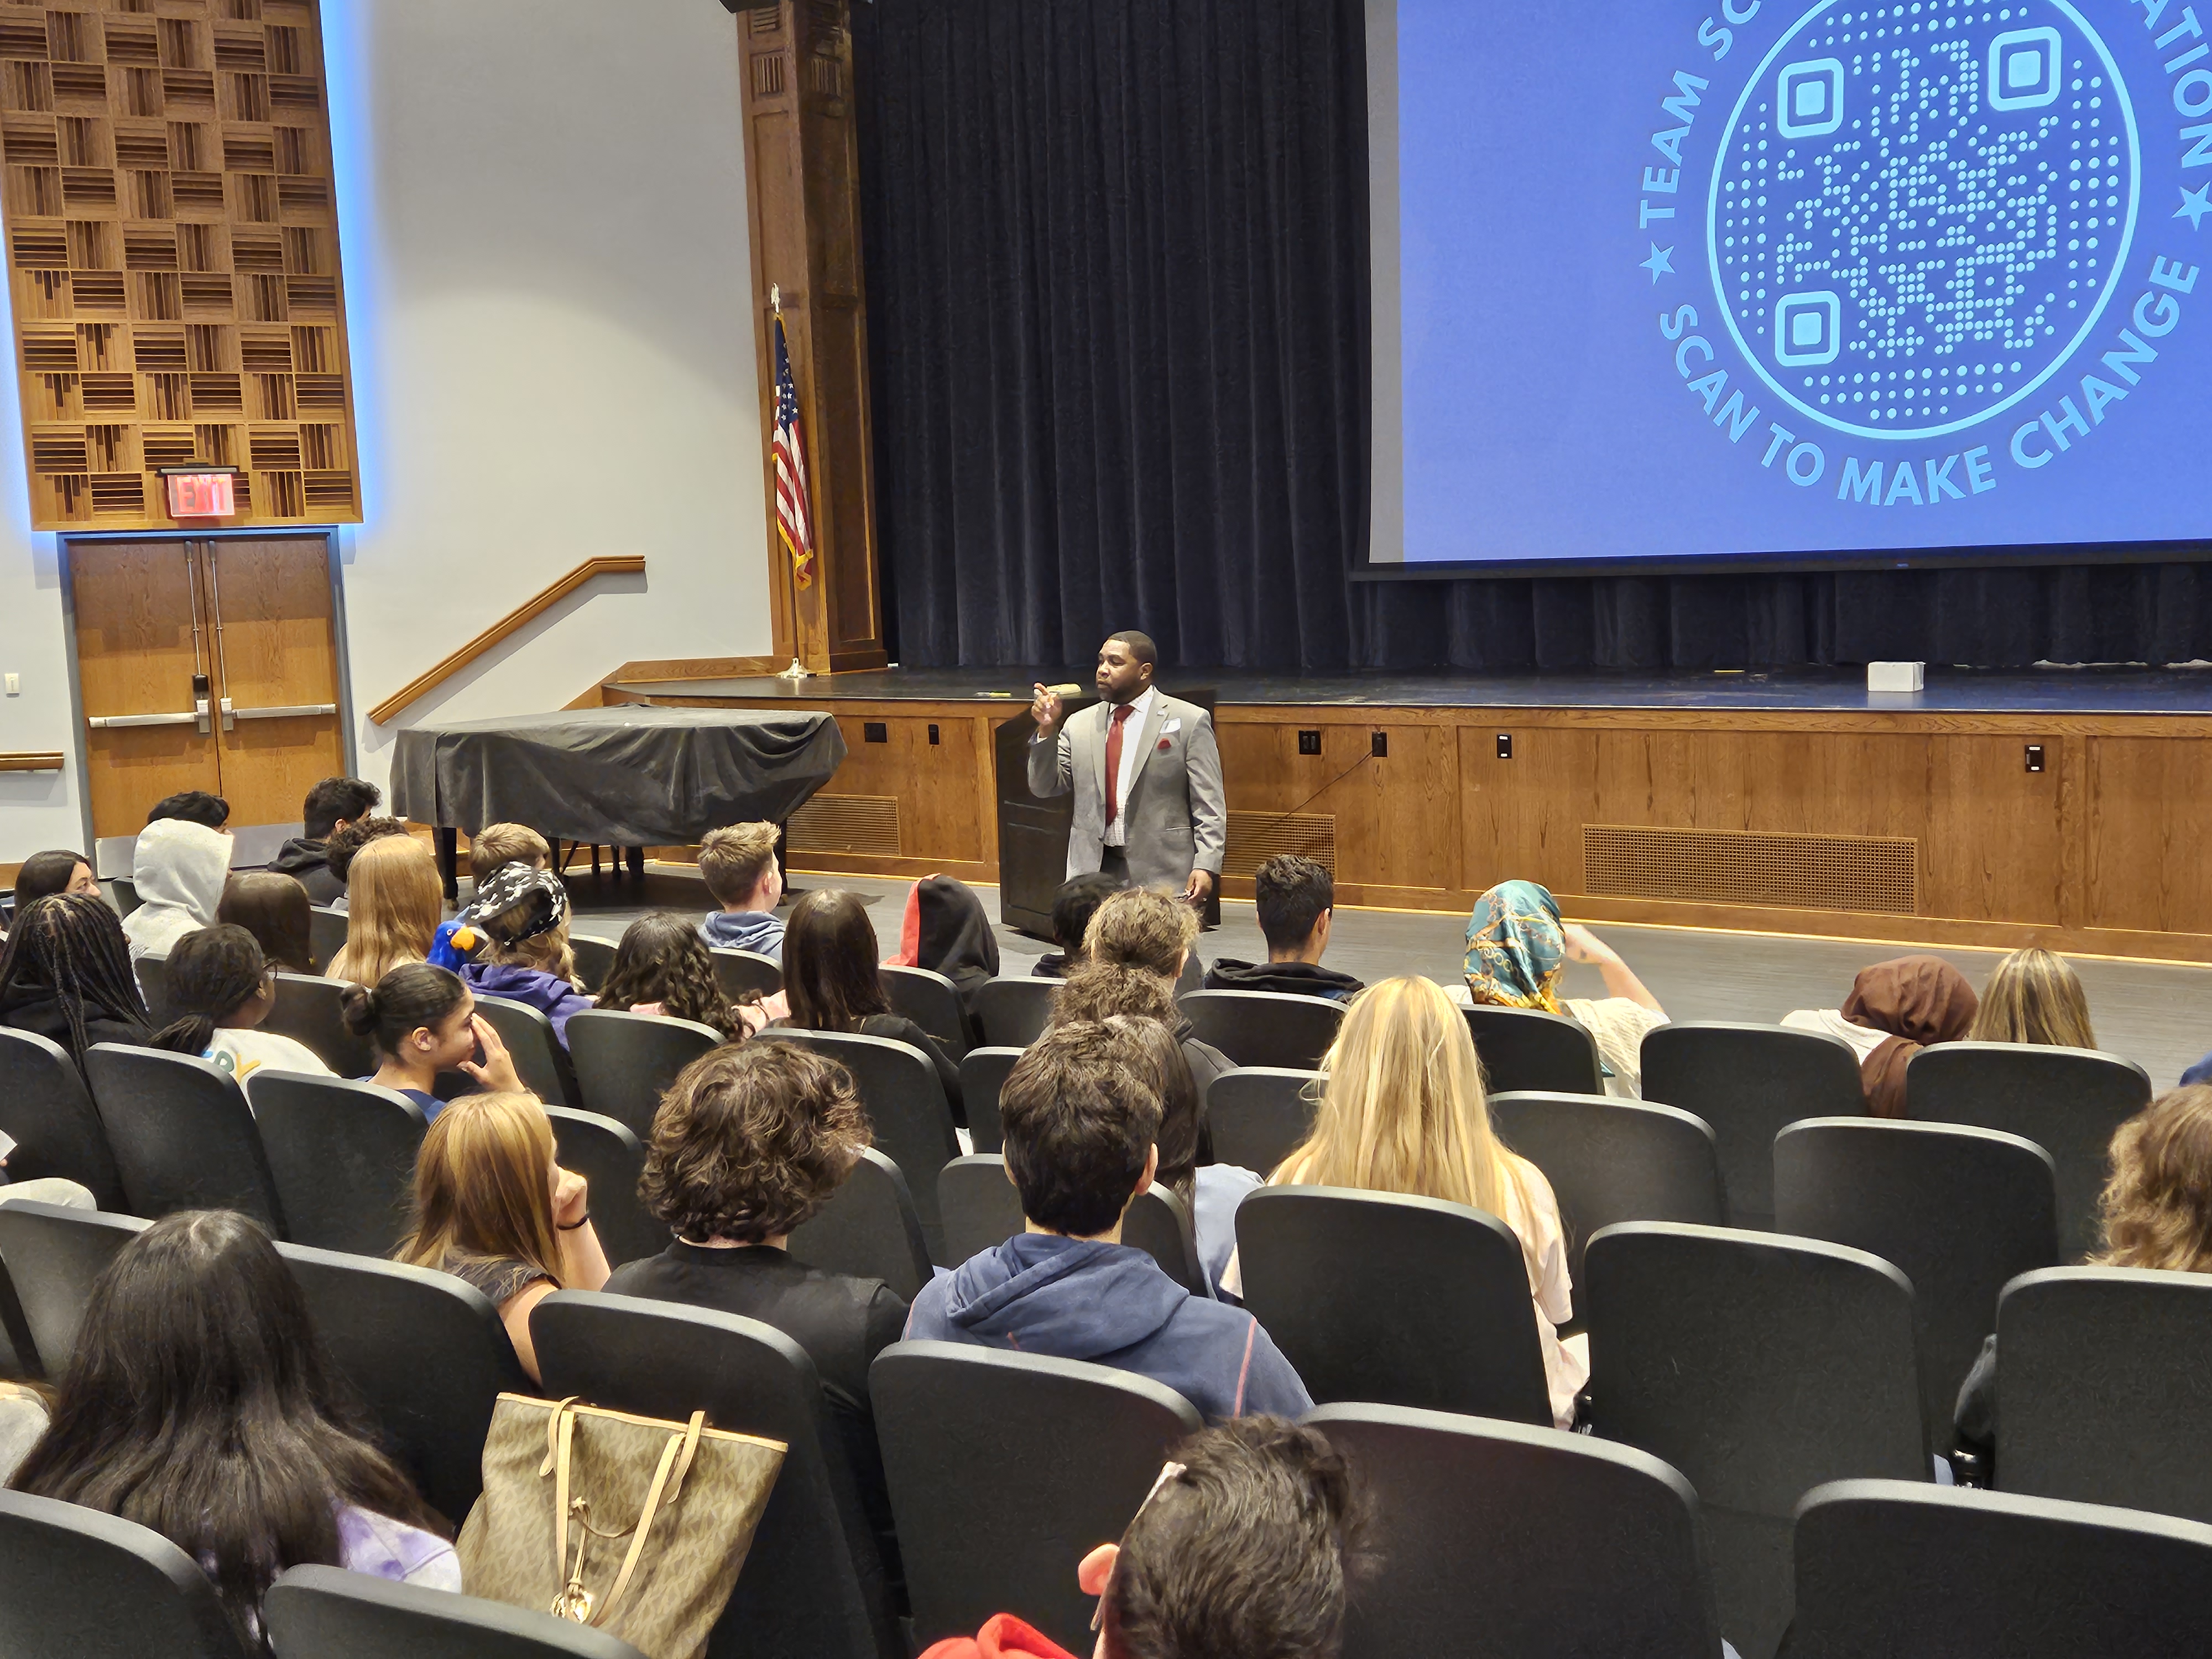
(1256, 837)
(1879, 874)
(846, 823)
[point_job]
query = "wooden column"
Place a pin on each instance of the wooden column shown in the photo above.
(802, 188)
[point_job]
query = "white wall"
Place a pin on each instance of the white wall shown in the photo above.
(547, 282)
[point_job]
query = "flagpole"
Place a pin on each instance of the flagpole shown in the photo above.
(798, 670)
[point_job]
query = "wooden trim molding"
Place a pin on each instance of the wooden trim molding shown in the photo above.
(31, 761)
(616, 564)
(696, 668)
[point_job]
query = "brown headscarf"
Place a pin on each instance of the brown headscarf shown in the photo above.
(1917, 1001)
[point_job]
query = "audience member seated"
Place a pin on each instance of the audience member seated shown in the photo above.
(191, 807)
(524, 914)
(493, 1208)
(1517, 950)
(1082, 1122)
(221, 989)
(946, 932)
(738, 865)
(2033, 996)
(274, 909)
(24, 1409)
(179, 866)
(661, 967)
(345, 845)
(1134, 953)
(1894, 1010)
(2157, 1214)
(1296, 898)
(66, 975)
(394, 902)
(1210, 1191)
(198, 1402)
(830, 981)
(1072, 907)
(749, 1144)
(505, 843)
(46, 873)
(1401, 1110)
(330, 805)
(1247, 1548)
(423, 1021)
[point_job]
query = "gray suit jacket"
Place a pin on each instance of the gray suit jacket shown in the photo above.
(1176, 818)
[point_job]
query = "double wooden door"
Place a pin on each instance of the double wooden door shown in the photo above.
(207, 665)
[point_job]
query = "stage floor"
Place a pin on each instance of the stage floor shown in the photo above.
(1949, 690)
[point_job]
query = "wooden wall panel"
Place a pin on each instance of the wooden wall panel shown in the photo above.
(2150, 851)
(173, 255)
(1396, 815)
(933, 783)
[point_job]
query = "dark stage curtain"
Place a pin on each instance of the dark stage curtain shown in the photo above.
(1117, 288)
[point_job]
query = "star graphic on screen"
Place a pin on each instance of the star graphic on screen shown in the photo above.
(2195, 204)
(1662, 262)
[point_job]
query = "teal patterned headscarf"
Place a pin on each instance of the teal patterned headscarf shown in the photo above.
(1514, 949)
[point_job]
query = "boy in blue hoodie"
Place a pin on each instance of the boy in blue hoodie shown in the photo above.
(739, 868)
(1080, 1120)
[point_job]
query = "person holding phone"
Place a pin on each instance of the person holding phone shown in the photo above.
(1146, 773)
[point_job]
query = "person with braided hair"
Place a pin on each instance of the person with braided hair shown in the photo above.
(66, 975)
(222, 987)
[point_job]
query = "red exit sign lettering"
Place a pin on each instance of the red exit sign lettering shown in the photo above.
(202, 494)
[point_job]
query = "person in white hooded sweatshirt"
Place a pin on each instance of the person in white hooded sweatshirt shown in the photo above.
(178, 868)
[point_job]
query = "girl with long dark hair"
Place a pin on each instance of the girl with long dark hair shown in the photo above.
(221, 989)
(66, 975)
(274, 909)
(199, 1403)
(830, 981)
(661, 967)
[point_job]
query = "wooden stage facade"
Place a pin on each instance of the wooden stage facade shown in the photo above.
(2063, 807)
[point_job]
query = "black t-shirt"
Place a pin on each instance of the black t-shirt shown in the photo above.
(841, 1321)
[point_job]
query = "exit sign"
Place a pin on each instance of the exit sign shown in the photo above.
(208, 494)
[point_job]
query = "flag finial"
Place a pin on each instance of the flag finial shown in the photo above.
(775, 297)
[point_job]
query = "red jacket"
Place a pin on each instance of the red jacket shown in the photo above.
(1004, 1638)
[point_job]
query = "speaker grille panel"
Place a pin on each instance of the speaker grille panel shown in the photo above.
(1874, 873)
(1256, 837)
(846, 823)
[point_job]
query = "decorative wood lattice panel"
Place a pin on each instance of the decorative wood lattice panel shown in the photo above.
(173, 252)
(1256, 837)
(1877, 873)
(846, 823)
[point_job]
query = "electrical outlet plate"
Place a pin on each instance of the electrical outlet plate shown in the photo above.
(15, 685)
(1308, 743)
(1378, 745)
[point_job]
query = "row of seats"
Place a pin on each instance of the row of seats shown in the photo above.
(1492, 1538)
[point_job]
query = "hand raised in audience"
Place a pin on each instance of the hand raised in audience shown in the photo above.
(496, 1074)
(1583, 945)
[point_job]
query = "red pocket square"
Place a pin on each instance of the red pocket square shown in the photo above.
(1165, 745)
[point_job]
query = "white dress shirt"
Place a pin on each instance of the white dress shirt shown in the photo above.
(1133, 751)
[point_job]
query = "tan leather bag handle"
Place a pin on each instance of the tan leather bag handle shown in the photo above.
(676, 1459)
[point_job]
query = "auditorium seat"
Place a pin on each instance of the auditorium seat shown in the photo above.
(1005, 1469)
(813, 1583)
(1014, 1012)
(1381, 1297)
(1612, 1160)
(77, 1584)
(2105, 1388)
(1160, 1224)
(869, 1229)
(342, 1155)
(932, 1001)
(126, 894)
(1263, 1028)
(1959, 1211)
(52, 1254)
(425, 1352)
(2067, 1101)
(983, 1073)
(742, 974)
(152, 973)
(182, 1133)
(980, 1207)
(905, 1104)
(1525, 1049)
(595, 960)
(1499, 1540)
(1256, 1116)
(1759, 1366)
(45, 1109)
(326, 1612)
(326, 935)
(624, 1062)
(1897, 1567)
(312, 1010)
(540, 1061)
(1749, 1082)
(612, 1160)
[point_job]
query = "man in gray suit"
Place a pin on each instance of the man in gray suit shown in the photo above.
(1146, 774)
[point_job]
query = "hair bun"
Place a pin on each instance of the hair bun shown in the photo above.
(359, 1008)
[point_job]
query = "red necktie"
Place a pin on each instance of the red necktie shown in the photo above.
(1114, 759)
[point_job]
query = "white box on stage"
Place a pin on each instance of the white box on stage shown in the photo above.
(1896, 676)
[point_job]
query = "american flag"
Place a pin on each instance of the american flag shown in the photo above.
(794, 516)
